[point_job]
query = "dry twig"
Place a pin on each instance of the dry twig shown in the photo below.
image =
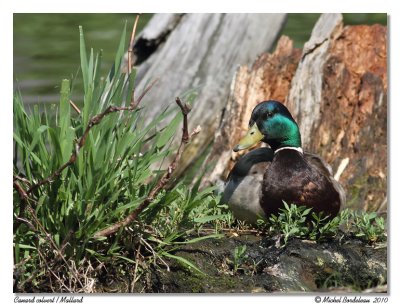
(22, 179)
(62, 284)
(130, 49)
(76, 108)
(155, 255)
(133, 105)
(135, 278)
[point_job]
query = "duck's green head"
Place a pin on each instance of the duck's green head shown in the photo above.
(271, 122)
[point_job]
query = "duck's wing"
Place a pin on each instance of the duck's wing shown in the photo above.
(326, 169)
(247, 161)
(243, 187)
(318, 162)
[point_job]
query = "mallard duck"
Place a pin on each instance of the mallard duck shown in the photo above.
(263, 178)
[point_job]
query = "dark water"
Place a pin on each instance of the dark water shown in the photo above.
(46, 46)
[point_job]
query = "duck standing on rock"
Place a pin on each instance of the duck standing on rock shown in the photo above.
(263, 178)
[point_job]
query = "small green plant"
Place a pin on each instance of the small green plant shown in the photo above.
(323, 228)
(300, 222)
(290, 222)
(369, 226)
(239, 254)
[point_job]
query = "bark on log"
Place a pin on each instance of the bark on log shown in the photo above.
(201, 52)
(353, 118)
(336, 90)
(305, 93)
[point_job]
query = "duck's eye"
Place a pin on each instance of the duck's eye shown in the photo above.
(268, 115)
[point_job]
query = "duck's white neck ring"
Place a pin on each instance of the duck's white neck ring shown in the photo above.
(298, 149)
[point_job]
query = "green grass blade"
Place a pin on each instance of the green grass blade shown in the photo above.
(198, 239)
(170, 131)
(120, 52)
(184, 261)
(84, 63)
(91, 68)
(66, 133)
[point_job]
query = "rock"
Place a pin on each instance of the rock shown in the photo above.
(301, 266)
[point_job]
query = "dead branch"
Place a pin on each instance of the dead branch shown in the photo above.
(22, 179)
(185, 109)
(135, 278)
(130, 54)
(19, 220)
(44, 259)
(155, 256)
(76, 108)
(145, 91)
(22, 194)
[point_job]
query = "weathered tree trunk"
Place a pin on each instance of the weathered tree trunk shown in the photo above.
(336, 90)
(200, 52)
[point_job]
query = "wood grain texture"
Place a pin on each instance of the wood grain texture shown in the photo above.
(202, 53)
(305, 93)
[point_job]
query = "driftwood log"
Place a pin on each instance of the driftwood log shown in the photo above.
(199, 53)
(336, 89)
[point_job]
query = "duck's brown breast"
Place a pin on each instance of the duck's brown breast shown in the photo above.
(292, 179)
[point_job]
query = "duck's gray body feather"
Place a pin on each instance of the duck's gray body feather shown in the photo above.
(243, 189)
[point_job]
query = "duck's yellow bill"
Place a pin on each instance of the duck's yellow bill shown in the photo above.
(252, 137)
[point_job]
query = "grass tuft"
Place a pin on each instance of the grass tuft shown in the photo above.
(114, 171)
